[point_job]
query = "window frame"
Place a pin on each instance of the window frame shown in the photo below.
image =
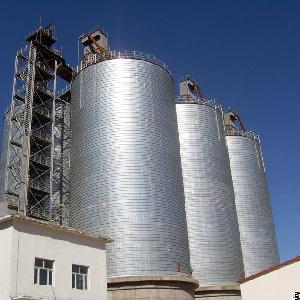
(37, 272)
(85, 278)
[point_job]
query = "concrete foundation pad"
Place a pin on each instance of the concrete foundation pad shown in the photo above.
(219, 292)
(164, 287)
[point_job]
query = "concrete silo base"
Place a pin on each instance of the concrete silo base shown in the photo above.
(219, 292)
(166, 287)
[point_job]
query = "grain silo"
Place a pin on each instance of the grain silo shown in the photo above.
(257, 233)
(126, 178)
(209, 197)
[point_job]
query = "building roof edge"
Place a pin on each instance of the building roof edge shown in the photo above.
(269, 270)
(54, 226)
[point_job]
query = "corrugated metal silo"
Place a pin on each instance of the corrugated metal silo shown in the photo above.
(126, 178)
(257, 233)
(209, 197)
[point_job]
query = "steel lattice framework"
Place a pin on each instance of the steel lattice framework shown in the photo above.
(36, 179)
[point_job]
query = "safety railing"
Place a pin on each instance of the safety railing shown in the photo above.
(41, 135)
(21, 74)
(97, 57)
(21, 92)
(237, 132)
(41, 159)
(43, 67)
(38, 212)
(40, 87)
(23, 53)
(195, 100)
(39, 185)
(44, 111)
(12, 200)
(64, 90)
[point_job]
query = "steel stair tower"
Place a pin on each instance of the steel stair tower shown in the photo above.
(36, 179)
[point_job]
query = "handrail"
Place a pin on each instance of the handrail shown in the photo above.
(42, 110)
(45, 68)
(44, 89)
(21, 91)
(40, 134)
(237, 132)
(38, 212)
(97, 57)
(194, 100)
(41, 186)
(39, 158)
(64, 90)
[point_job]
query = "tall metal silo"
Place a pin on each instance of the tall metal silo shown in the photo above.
(125, 178)
(209, 197)
(257, 232)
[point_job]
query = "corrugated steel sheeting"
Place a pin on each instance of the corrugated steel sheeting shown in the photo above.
(254, 212)
(126, 179)
(209, 196)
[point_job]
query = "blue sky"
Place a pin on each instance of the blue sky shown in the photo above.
(246, 54)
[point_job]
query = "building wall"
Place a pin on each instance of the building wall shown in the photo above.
(6, 235)
(277, 285)
(30, 241)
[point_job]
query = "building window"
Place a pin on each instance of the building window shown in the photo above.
(43, 271)
(80, 277)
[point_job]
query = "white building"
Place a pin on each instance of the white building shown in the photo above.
(281, 282)
(40, 260)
